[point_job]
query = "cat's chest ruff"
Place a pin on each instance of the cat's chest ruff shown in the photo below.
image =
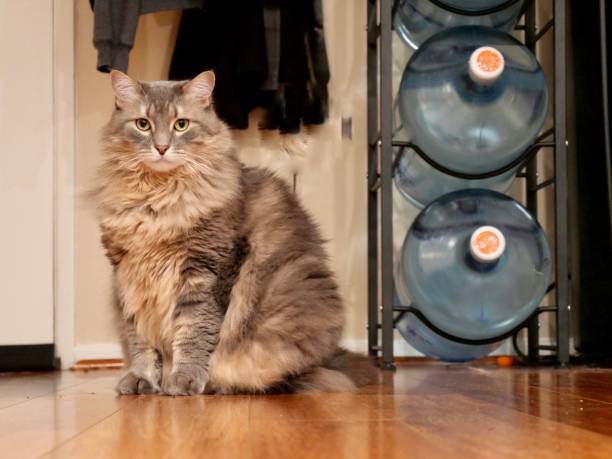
(142, 225)
(148, 269)
(149, 282)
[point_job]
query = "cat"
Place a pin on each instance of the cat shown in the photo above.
(221, 281)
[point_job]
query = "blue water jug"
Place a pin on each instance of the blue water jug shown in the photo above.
(473, 99)
(420, 183)
(417, 20)
(428, 342)
(476, 263)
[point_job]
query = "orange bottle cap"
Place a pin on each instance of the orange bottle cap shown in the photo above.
(486, 65)
(487, 244)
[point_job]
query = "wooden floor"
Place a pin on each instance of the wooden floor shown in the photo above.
(424, 411)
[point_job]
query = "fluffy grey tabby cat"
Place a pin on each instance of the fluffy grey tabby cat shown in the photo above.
(221, 280)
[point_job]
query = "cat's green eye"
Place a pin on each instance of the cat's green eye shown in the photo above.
(143, 124)
(181, 124)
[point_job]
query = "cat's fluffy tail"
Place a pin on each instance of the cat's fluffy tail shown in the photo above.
(345, 371)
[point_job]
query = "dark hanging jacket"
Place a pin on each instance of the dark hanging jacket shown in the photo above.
(115, 23)
(235, 38)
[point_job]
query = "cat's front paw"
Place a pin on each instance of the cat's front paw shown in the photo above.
(185, 381)
(131, 384)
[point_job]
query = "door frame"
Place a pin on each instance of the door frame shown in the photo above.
(64, 200)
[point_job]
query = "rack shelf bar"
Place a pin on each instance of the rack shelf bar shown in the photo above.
(544, 184)
(543, 30)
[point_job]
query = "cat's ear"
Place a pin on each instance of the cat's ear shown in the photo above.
(127, 91)
(201, 87)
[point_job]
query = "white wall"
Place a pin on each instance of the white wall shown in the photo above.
(26, 172)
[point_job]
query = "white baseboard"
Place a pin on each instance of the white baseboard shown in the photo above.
(98, 351)
(101, 351)
(400, 347)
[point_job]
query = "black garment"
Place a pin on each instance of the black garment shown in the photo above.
(272, 21)
(115, 23)
(230, 37)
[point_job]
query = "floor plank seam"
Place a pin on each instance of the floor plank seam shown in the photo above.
(572, 394)
(534, 416)
(68, 440)
(496, 376)
(52, 393)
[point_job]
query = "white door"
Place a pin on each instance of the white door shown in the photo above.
(26, 172)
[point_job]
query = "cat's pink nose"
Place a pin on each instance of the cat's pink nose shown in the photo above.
(162, 149)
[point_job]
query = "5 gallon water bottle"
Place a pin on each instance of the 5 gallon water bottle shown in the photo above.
(420, 183)
(476, 263)
(417, 20)
(428, 342)
(473, 99)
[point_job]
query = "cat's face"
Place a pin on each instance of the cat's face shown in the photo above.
(161, 126)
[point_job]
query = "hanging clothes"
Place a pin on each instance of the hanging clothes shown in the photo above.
(272, 22)
(115, 23)
(265, 53)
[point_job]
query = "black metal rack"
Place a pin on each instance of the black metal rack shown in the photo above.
(382, 313)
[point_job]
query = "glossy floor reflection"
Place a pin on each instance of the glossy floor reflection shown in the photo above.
(423, 410)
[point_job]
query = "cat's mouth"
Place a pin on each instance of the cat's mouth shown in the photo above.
(161, 163)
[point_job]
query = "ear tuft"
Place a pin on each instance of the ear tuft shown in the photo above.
(201, 87)
(126, 89)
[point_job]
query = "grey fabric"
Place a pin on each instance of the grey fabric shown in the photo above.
(115, 23)
(272, 28)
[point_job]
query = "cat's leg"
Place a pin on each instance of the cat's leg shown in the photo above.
(196, 333)
(243, 296)
(144, 371)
